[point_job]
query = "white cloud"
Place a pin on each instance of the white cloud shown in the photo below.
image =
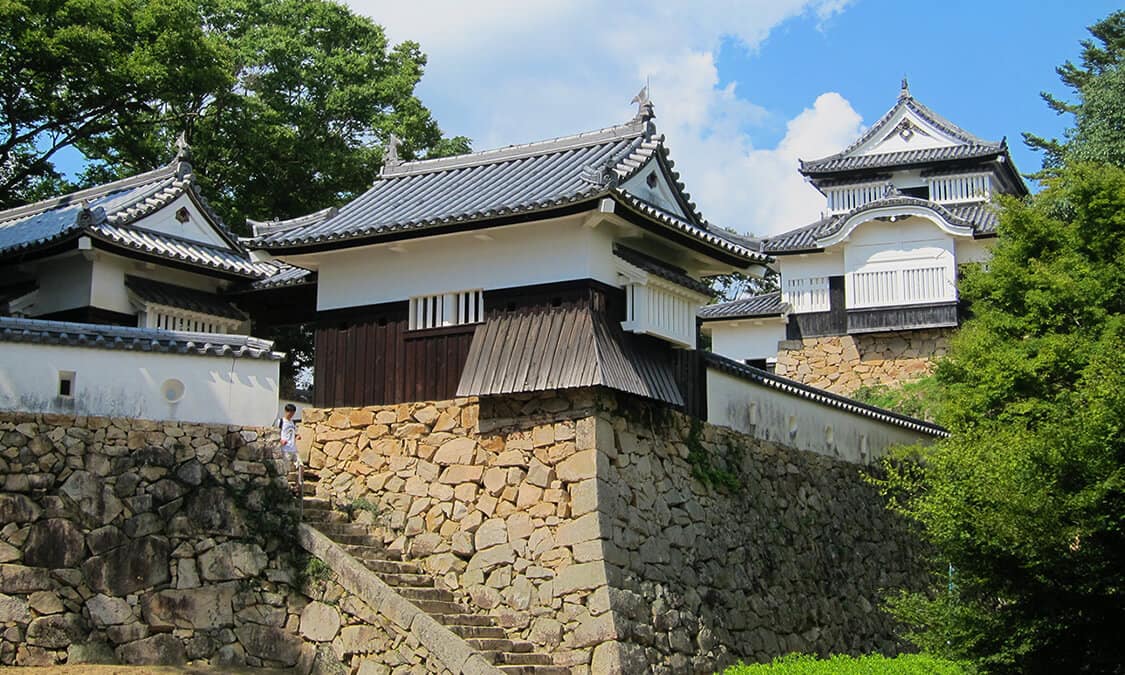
(503, 72)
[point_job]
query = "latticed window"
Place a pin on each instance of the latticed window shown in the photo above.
(446, 309)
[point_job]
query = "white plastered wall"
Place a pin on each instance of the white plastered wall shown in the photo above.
(108, 280)
(196, 227)
(64, 283)
(766, 413)
(746, 338)
(520, 255)
(218, 390)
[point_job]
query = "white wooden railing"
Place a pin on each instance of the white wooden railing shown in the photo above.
(845, 198)
(170, 318)
(961, 188)
(446, 309)
(807, 295)
(659, 311)
(907, 286)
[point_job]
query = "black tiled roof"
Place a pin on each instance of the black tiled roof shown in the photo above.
(661, 269)
(410, 198)
(767, 304)
(109, 212)
(980, 216)
(135, 339)
(190, 299)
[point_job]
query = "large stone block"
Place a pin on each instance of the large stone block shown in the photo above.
(18, 509)
(107, 611)
(268, 642)
(158, 650)
(203, 608)
(584, 528)
(54, 543)
(320, 622)
(580, 577)
(129, 568)
(55, 631)
(95, 499)
(579, 466)
(22, 579)
(13, 609)
(212, 510)
(232, 560)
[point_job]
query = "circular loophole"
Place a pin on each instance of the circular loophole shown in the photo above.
(173, 390)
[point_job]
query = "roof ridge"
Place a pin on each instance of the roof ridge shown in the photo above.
(76, 197)
(632, 128)
(908, 101)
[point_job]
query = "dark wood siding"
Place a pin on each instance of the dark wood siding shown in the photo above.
(902, 318)
(366, 355)
(816, 324)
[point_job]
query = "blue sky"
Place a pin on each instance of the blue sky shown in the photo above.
(743, 88)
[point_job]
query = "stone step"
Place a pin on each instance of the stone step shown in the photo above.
(522, 659)
(317, 504)
(438, 607)
(452, 620)
(411, 580)
(479, 631)
(391, 566)
(361, 540)
(372, 552)
(316, 517)
(434, 594)
(492, 644)
(534, 670)
(344, 528)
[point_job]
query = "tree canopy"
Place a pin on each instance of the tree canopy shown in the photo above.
(1025, 502)
(286, 103)
(1098, 134)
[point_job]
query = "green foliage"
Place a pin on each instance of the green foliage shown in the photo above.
(1099, 112)
(921, 398)
(315, 570)
(362, 504)
(705, 466)
(1026, 499)
(736, 285)
(874, 664)
(286, 103)
(80, 70)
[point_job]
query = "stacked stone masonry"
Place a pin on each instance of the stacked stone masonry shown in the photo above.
(140, 542)
(578, 522)
(844, 363)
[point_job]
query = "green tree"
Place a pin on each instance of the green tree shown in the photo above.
(1098, 84)
(1026, 499)
(79, 70)
(314, 91)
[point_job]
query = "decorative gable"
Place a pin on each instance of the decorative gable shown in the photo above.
(653, 184)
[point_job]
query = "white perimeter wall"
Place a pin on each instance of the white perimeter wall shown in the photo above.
(220, 390)
(518, 255)
(746, 339)
(731, 401)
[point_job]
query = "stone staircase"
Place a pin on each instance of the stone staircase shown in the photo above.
(479, 631)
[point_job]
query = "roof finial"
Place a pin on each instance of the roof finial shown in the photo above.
(183, 155)
(645, 110)
(390, 155)
(904, 92)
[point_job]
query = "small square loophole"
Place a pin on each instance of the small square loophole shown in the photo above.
(66, 383)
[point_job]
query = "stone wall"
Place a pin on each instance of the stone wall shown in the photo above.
(844, 363)
(722, 548)
(500, 510)
(620, 536)
(132, 541)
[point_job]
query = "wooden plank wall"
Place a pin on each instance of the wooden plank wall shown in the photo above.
(372, 362)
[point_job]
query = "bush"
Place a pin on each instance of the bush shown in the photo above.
(874, 664)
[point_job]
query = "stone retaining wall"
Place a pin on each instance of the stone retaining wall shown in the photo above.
(500, 510)
(597, 527)
(844, 363)
(143, 542)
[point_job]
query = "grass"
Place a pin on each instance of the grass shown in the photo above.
(874, 664)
